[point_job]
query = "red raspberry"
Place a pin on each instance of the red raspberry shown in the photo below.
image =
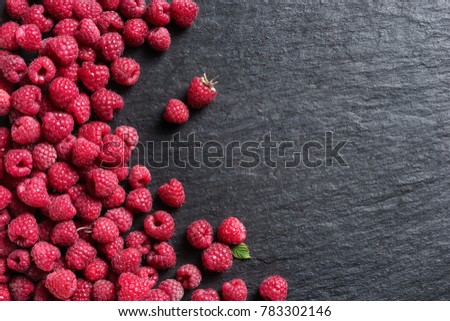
(69, 72)
(66, 27)
(159, 225)
(5, 197)
(84, 152)
(129, 135)
(63, 50)
(110, 46)
(29, 37)
(8, 36)
(183, 12)
(158, 13)
(87, 32)
(45, 256)
(6, 246)
(46, 106)
(139, 177)
(109, 21)
(17, 207)
(57, 126)
(62, 284)
(159, 39)
(101, 182)
(189, 276)
(5, 103)
(94, 77)
(88, 208)
(94, 131)
(76, 191)
(201, 92)
(5, 140)
(125, 71)
(62, 91)
(36, 15)
(157, 295)
(21, 288)
(23, 230)
(86, 54)
(45, 228)
(4, 218)
(111, 249)
(200, 234)
(83, 291)
(80, 109)
(64, 148)
(274, 288)
(42, 294)
(96, 270)
(148, 273)
(18, 162)
(41, 70)
(109, 4)
(132, 287)
(172, 193)
(139, 201)
(14, 69)
(5, 295)
(135, 32)
(89, 9)
(234, 290)
(116, 199)
(26, 130)
(79, 255)
(104, 230)
(62, 176)
(64, 234)
(132, 8)
(103, 290)
(62, 209)
(217, 258)
(27, 100)
(33, 192)
(16, 8)
(176, 112)
(205, 295)
(121, 172)
(173, 288)
(19, 261)
(59, 9)
(162, 257)
(128, 260)
(122, 217)
(138, 240)
(231, 231)
(105, 102)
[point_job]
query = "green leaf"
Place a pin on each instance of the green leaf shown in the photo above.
(241, 251)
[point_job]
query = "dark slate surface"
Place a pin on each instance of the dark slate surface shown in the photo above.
(375, 74)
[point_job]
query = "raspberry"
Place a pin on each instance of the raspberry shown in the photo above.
(96, 270)
(122, 217)
(86, 54)
(158, 13)
(110, 46)
(111, 249)
(21, 288)
(231, 231)
(62, 176)
(66, 27)
(8, 36)
(45, 255)
(139, 177)
(217, 258)
(5, 140)
(80, 109)
(23, 230)
(33, 192)
(63, 50)
(27, 100)
(26, 130)
(157, 295)
(176, 112)
(94, 131)
(87, 32)
(234, 290)
(132, 8)
(17, 207)
(148, 273)
(69, 72)
(64, 234)
(104, 230)
(105, 102)
(109, 4)
(5, 103)
(79, 255)
(162, 257)
(6, 246)
(129, 135)
(121, 172)
(135, 32)
(117, 198)
(139, 201)
(5, 197)
(45, 228)
(36, 15)
(16, 8)
(76, 191)
(57, 126)
(159, 225)
(5, 295)
(62, 209)
(125, 71)
(201, 92)
(101, 182)
(173, 288)
(4, 218)
(138, 240)
(103, 290)
(132, 287)
(84, 152)
(172, 193)
(200, 234)
(159, 39)
(94, 77)
(184, 12)
(59, 9)
(205, 295)
(14, 70)
(274, 288)
(89, 9)
(29, 37)
(19, 261)
(189, 276)
(83, 291)
(109, 21)
(41, 70)
(62, 91)
(128, 260)
(62, 284)
(46, 106)
(88, 208)
(41, 293)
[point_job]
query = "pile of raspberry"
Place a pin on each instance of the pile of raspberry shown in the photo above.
(67, 194)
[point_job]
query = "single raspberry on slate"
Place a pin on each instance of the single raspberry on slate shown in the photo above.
(41, 70)
(63, 49)
(14, 69)
(132, 287)
(88, 208)
(200, 234)
(138, 240)
(129, 135)
(19, 261)
(234, 290)
(57, 126)
(172, 193)
(274, 288)
(231, 231)
(5, 197)
(158, 13)
(27, 99)
(159, 39)
(83, 291)
(70, 72)
(159, 225)
(132, 8)
(5, 295)
(162, 256)
(110, 46)
(5, 103)
(205, 295)
(217, 258)
(157, 295)
(116, 199)
(84, 152)
(139, 201)
(8, 36)
(148, 273)
(201, 92)
(96, 270)
(86, 54)
(79, 255)
(87, 32)
(94, 77)
(101, 182)
(23, 230)
(45, 256)
(173, 288)
(189, 276)
(135, 32)
(61, 208)
(94, 131)
(65, 27)
(16, 8)
(183, 12)
(62, 284)
(104, 230)
(29, 37)
(176, 112)
(128, 260)
(26, 130)
(62, 91)
(125, 71)
(89, 9)
(36, 15)
(122, 217)
(64, 234)
(4, 219)
(103, 290)
(111, 249)
(62, 176)
(59, 9)
(105, 102)
(42, 294)
(139, 177)
(18, 162)
(109, 4)
(109, 21)
(33, 192)
(21, 287)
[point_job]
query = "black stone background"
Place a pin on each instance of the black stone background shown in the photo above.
(375, 73)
